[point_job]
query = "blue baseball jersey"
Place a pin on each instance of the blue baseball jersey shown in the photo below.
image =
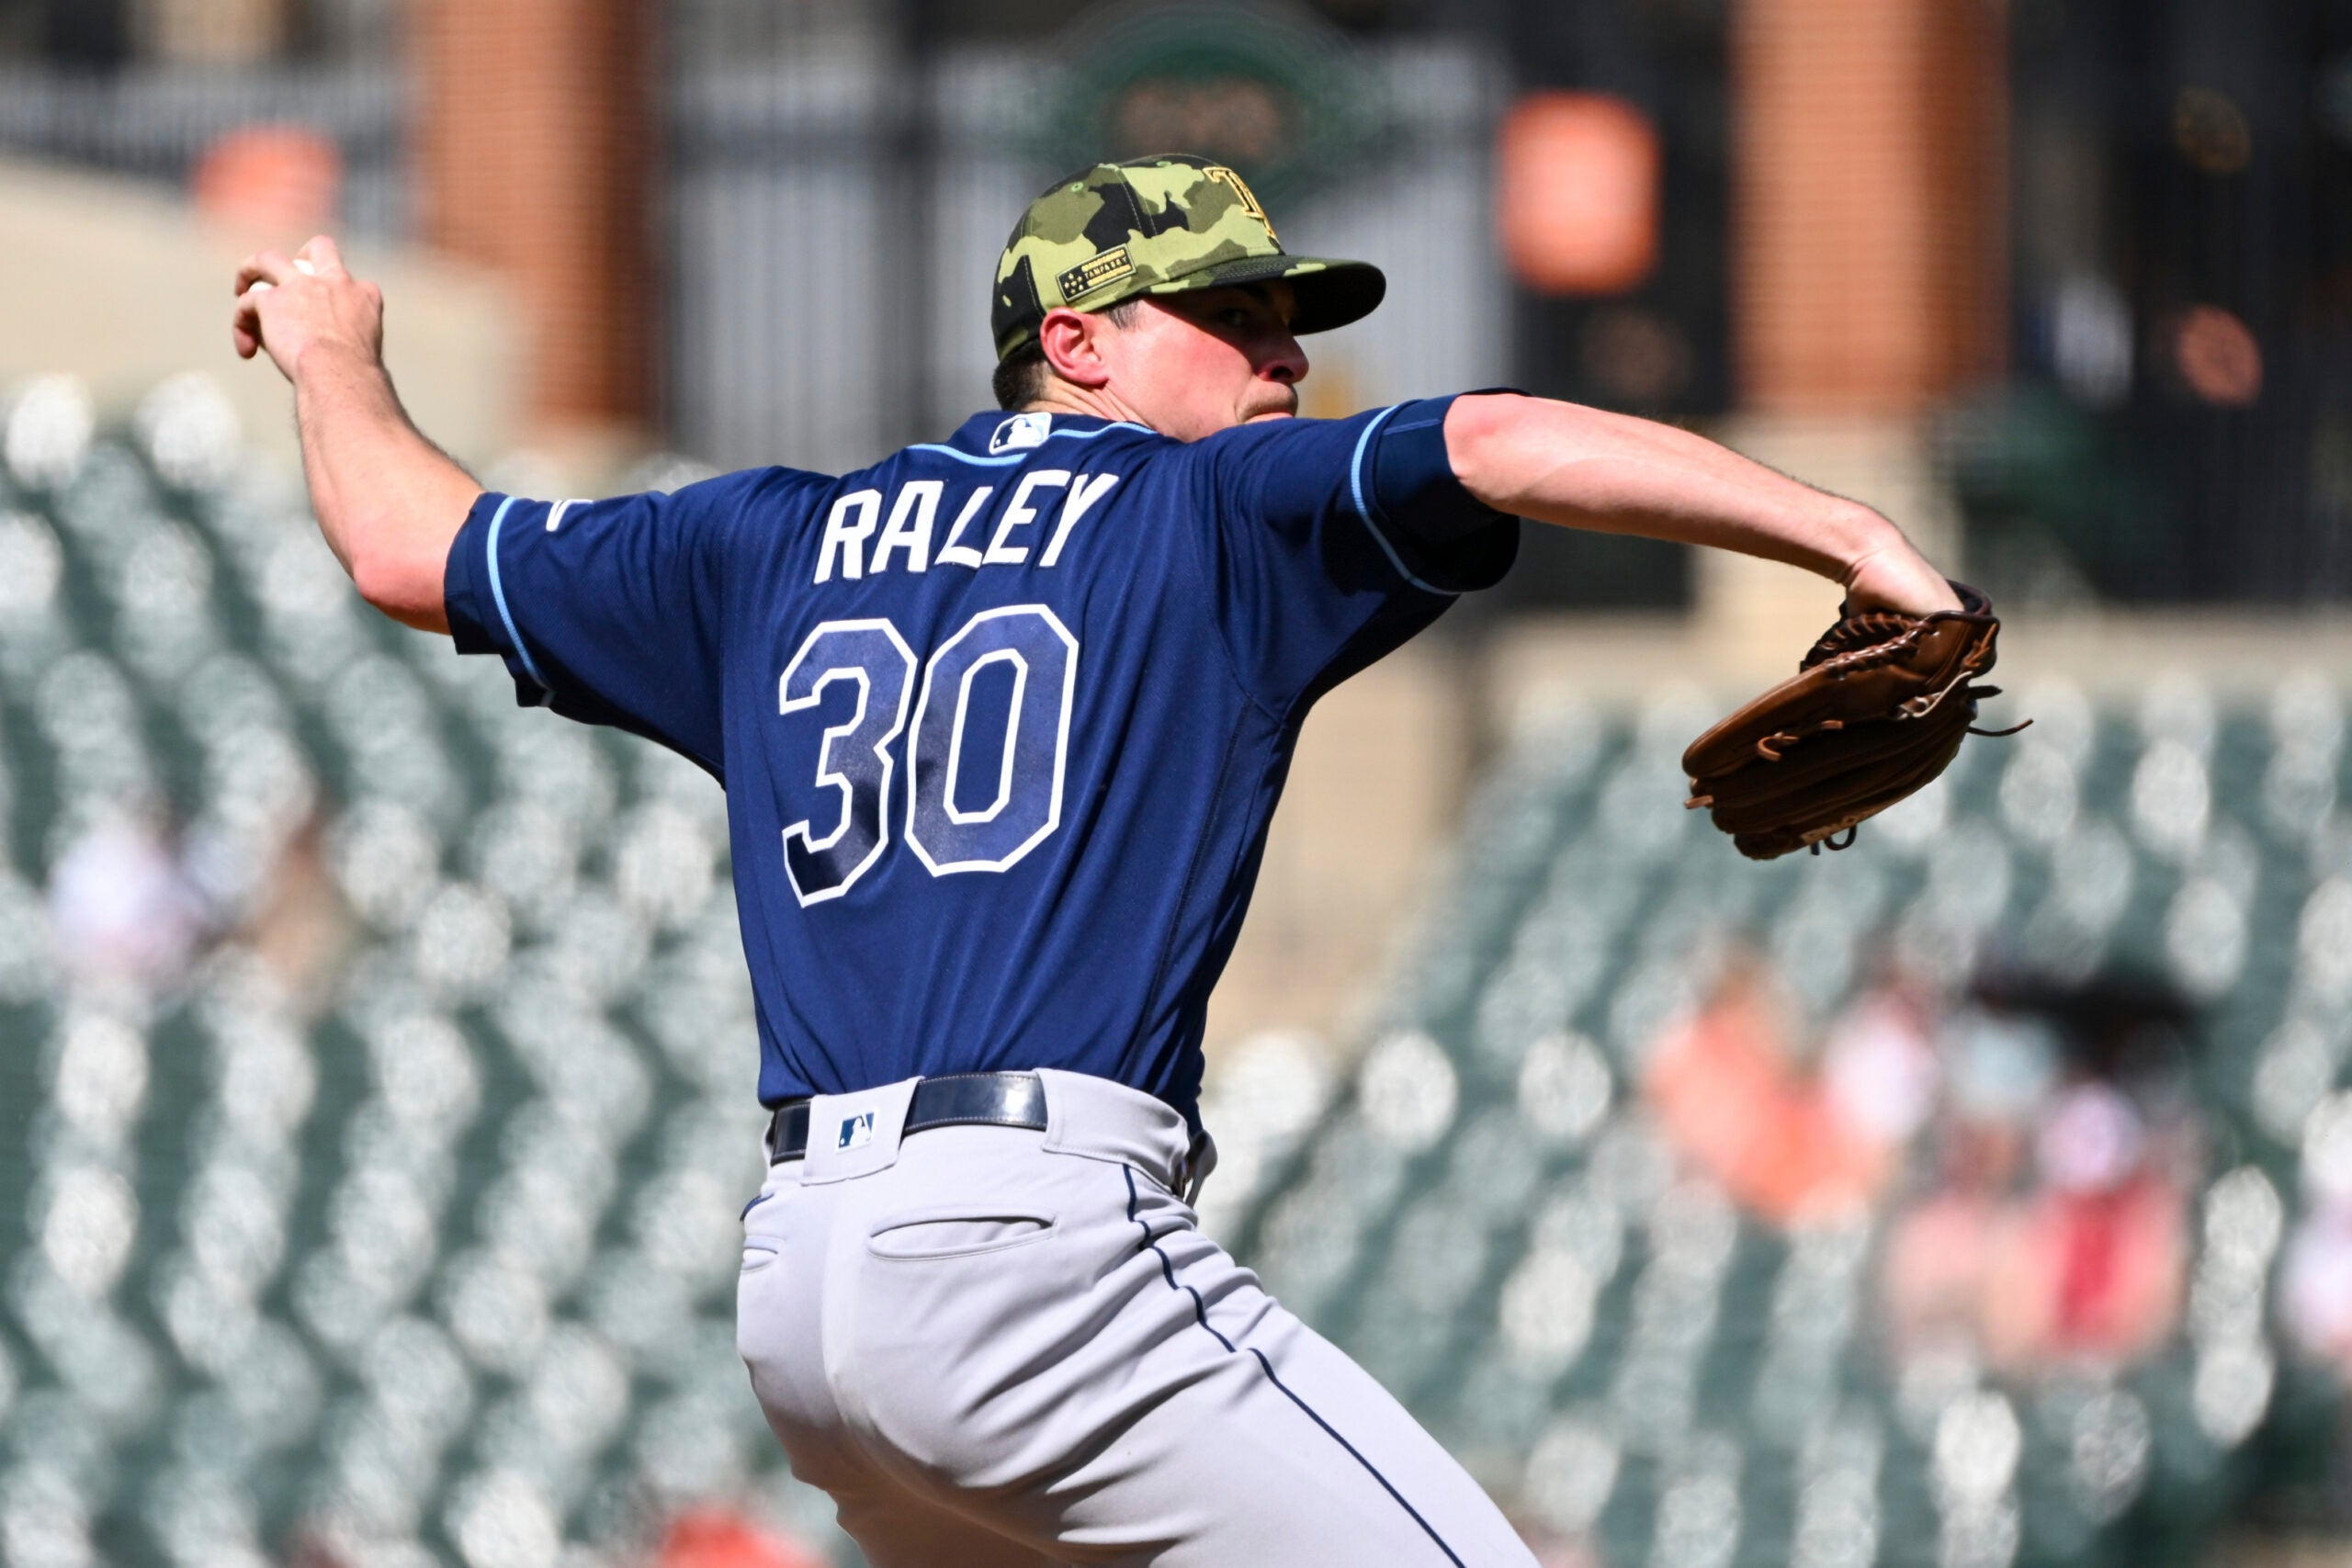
(1002, 721)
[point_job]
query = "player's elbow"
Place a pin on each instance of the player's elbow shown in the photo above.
(405, 584)
(1484, 435)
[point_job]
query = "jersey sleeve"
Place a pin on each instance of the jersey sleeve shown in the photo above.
(1333, 541)
(610, 612)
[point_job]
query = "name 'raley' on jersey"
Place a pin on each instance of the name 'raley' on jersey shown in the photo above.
(916, 506)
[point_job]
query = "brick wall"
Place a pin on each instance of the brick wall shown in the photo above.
(536, 149)
(1868, 210)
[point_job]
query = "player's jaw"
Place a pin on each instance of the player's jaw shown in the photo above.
(1242, 347)
(1186, 365)
(1210, 359)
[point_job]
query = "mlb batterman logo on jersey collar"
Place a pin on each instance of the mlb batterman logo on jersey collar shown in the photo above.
(1019, 433)
(1159, 225)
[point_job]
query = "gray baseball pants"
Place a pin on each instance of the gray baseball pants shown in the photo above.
(1004, 1348)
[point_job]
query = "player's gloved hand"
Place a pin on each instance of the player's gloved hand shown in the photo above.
(294, 306)
(1876, 710)
(1897, 579)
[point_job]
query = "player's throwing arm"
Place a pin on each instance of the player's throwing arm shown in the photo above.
(388, 500)
(1880, 703)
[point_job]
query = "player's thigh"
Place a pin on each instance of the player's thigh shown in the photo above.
(1416, 1499)
(1270, 1446)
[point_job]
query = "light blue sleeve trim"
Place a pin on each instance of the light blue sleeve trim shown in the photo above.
(1363, 507)
(498, 595)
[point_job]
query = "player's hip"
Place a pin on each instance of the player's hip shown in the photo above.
(964, 1305)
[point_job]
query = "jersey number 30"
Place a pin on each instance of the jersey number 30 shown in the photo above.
(857, 764)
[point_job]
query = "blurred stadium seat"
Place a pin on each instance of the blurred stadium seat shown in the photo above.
(373, 1184)
(1494, 1215)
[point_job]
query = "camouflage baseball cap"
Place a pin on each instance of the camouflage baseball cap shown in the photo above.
(1159, 225)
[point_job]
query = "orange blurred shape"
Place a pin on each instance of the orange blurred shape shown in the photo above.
(720, 1538)
(1576, 193)
(2218, 357)
(286, 178)
(1737, 1107)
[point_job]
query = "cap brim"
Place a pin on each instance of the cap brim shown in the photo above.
(1327, 293)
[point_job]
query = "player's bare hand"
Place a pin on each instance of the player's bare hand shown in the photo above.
(1896, 577)
(291, 306)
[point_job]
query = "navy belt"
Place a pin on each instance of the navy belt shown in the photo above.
(959, 1100)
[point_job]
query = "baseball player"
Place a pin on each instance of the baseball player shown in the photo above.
(1002, 721)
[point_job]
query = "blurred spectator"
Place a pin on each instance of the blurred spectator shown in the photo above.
(2056, 1227)
(2092, 1267)
(1999, 1069)
(1785, 1142)
(716, 1537)
(1554, 1549)
(301, 928)
(2315, 1287)
(122, 906)
(1998, 1072)
(1939, 1255)
(312, 1548)
(1879, 1068)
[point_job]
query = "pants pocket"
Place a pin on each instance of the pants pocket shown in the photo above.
(956, 1233)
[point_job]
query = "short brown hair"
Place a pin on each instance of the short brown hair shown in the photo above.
(1021, 376)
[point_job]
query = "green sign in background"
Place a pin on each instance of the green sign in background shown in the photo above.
(1279, 95)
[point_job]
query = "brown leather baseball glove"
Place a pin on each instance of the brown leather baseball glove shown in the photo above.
(1876, 710)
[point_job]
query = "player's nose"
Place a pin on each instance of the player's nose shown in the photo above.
(1286, 363)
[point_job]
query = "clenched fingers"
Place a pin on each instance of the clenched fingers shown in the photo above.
(288, 305)
(244, 323)
(323, 257)
(272, 267)
(265, 270)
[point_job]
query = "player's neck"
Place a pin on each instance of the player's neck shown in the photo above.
(1095, 402)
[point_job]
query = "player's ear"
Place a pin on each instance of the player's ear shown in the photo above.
(1069, 339)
